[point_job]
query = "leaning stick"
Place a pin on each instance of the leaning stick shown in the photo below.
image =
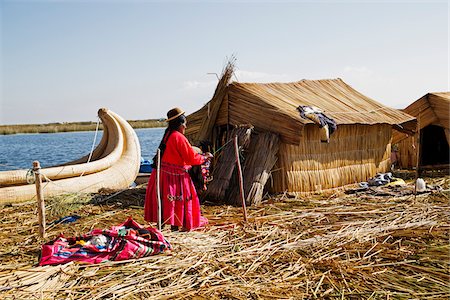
(40, 198)
(241, 183)
(158, 191)
(417, 155)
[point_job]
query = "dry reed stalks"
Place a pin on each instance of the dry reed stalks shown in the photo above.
(340, 247)
(225, 167)
(259, 161)
(209, 118)
(354, 154)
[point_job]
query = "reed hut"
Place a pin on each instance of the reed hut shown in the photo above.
(360, 147)
(433, 135)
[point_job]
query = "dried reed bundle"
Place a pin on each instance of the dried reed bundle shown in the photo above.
(340, 247)
(214, 104)
(259, 161)
(38, 279)
(226, 165)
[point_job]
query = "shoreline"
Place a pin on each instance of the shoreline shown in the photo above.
(72, 127)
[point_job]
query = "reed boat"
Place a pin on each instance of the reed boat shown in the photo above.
(113, 164)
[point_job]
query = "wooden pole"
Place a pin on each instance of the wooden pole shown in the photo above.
(158, 189)
(417, 155)
(241, 182)
(40, 198)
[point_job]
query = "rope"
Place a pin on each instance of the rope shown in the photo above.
(110, 196)
(75, 194)
(220, 148)
(30, 176)
(48, 181)
(30, 173)
(93, 143)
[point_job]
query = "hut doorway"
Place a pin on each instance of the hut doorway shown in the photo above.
(434, 146)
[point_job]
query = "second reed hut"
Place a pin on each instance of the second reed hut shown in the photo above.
(360, 147)
(433, 119)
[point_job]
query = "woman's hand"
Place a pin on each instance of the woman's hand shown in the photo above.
(208, 156)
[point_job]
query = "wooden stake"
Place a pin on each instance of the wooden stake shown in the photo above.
(417, 155)
(40, 198)
(158, 189)
(241, 182)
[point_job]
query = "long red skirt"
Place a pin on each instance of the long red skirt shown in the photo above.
(180, 203)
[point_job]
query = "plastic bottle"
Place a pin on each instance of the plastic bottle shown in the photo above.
(420, 185)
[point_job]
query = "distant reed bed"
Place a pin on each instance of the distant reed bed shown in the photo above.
(74, 126)
(151, 123)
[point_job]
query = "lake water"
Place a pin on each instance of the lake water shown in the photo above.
(18, 151)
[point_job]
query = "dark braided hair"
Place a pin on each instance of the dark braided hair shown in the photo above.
(173, 126)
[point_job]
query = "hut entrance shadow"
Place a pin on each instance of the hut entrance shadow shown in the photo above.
(435, 148)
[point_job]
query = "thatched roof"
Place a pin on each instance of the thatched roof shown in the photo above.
(272, 107)
(333, 96)
(434, 108)
(431, 109)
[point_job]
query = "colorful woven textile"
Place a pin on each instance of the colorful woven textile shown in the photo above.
(205, 174)
(126, 241)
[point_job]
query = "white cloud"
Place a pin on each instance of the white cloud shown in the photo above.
(194, 84)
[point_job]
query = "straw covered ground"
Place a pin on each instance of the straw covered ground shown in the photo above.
(368, 245)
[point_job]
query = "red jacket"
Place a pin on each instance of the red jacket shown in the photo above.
(179, 151)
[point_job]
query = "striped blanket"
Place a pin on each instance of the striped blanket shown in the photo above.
(126, 241)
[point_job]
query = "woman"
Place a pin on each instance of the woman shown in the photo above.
(180, 203)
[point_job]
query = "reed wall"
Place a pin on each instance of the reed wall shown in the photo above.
(407, 153)
(354, 154)
(431, 109)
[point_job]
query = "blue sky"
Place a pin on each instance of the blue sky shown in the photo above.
(62, 60)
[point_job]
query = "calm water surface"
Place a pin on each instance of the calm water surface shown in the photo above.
(18, 151)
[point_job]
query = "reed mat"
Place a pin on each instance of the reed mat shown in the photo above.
(357, 246)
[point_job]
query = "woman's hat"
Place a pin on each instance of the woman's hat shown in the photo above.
(174, 113)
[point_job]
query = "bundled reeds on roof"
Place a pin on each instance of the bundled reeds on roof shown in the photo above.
(209, 119)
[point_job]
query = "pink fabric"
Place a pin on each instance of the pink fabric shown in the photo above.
(180, 203)
(127, 241)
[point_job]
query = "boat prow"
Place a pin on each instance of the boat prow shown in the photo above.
(114, 164)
